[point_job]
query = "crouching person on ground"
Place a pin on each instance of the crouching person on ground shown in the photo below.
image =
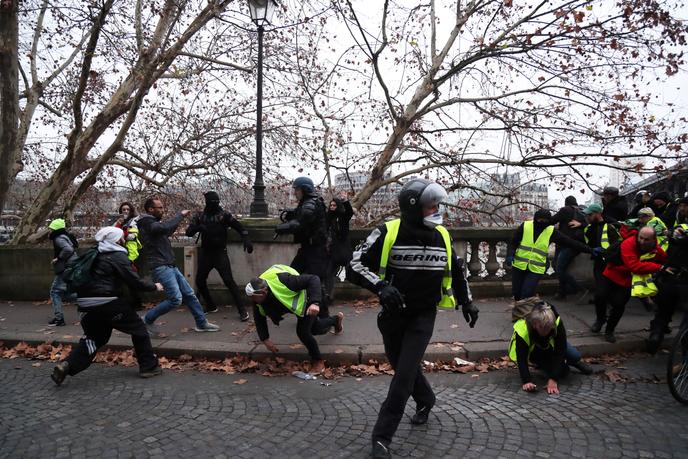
(103, 307)
(540, 338)
(281, 290)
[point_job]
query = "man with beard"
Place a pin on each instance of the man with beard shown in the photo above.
(211, 225)
(640, 255)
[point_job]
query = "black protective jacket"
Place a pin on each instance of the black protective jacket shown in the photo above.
(416, 266)
(276, 310)
(155, 238)
(213, 228)
(564, 216)
(667, 214)
(306, 222)
(110, 271)
(615, 210)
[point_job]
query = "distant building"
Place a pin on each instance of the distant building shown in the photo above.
(382, 200)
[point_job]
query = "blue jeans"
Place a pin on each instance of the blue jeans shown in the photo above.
(178, 291)
(58, 293)
(573, 355)
(567, 283)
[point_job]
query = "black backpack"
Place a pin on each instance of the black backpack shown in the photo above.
(78, 272)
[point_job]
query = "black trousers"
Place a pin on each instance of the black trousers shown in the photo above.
(597, 270)
(305, 329)
(669, 296)
(405, 338)
(524, 283)
(614, 295)
(208, 260)
(98, 323)
(313, 259)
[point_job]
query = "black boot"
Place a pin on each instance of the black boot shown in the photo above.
(609, 336)
(653, 342)
(597, 326)
(380, 450)
(583, 367)
(421, 416)
(60, 372)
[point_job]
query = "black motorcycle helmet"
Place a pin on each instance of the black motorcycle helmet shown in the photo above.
(417, 193)
(306, 184)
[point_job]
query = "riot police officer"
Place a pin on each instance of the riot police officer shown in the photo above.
(308, 225)
(410, 264)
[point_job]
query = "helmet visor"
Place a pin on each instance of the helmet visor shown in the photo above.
(433, 195)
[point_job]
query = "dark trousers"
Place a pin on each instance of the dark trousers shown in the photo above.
(98, 323)
(669, 295)
(524, 283)
(405, 339)
(313, 259)
(597, 270)
(614, 295)
(305, 329)
(216, 259)
(567, 283)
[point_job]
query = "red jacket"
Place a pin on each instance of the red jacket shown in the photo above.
(622, 274)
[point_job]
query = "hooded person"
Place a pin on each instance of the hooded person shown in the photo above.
(664, 207)
(211, 226)
(571, 223)
(615, 208)
(529, 251)
(104, 307)
(642, 199)
(411, 265)
(64, 253)
(339, 215)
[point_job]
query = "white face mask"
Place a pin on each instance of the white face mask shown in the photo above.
(433, 220)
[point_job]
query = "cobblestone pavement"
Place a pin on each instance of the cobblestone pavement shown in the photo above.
(107, 412)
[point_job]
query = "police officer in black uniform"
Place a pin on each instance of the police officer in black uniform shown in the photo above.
(409, 274)
(212, 225)
(308, 225)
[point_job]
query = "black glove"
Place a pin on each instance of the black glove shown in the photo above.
(470, 313)
(248, 246)
(287, 214)
(390, 297)
(598, 252)
(287, 227)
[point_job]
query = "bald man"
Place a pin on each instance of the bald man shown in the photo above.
(640, 255)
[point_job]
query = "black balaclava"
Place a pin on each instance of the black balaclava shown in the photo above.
(543, 215)
(212, 202)
(570, 201)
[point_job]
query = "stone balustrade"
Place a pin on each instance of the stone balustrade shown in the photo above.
(26, 274)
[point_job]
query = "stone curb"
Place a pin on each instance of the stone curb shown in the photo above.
(339, 354)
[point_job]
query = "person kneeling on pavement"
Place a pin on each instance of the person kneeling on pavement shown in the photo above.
(102, 305)
(540, 338)
(281, 290)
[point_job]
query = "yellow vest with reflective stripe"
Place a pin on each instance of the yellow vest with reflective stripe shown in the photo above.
(521, 329)
(604, 239)
(642, 285)
(294, 301)
(532, 255)
(660, 228)
(447, 301)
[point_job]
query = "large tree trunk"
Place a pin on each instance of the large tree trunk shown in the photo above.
(9, 95)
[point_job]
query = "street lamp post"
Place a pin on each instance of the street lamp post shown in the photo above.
(261, 12)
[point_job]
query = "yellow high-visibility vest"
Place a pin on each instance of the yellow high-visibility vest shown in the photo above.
(604, 239)
(642, 285)
(447, 301)
(294, 301)
(532, 255)
(521, 329)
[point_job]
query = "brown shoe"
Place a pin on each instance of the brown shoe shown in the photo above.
(318, 366)
(339, 326)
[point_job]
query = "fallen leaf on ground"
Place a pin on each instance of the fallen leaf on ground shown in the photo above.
(185, 358)
(454, 326)
(240, 381)
(186, 330)
(295, 346)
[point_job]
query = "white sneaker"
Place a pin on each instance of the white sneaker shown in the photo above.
(207, 327)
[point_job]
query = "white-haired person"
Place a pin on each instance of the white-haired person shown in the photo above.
(540, 339)
(282, 290)
(103, 307)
